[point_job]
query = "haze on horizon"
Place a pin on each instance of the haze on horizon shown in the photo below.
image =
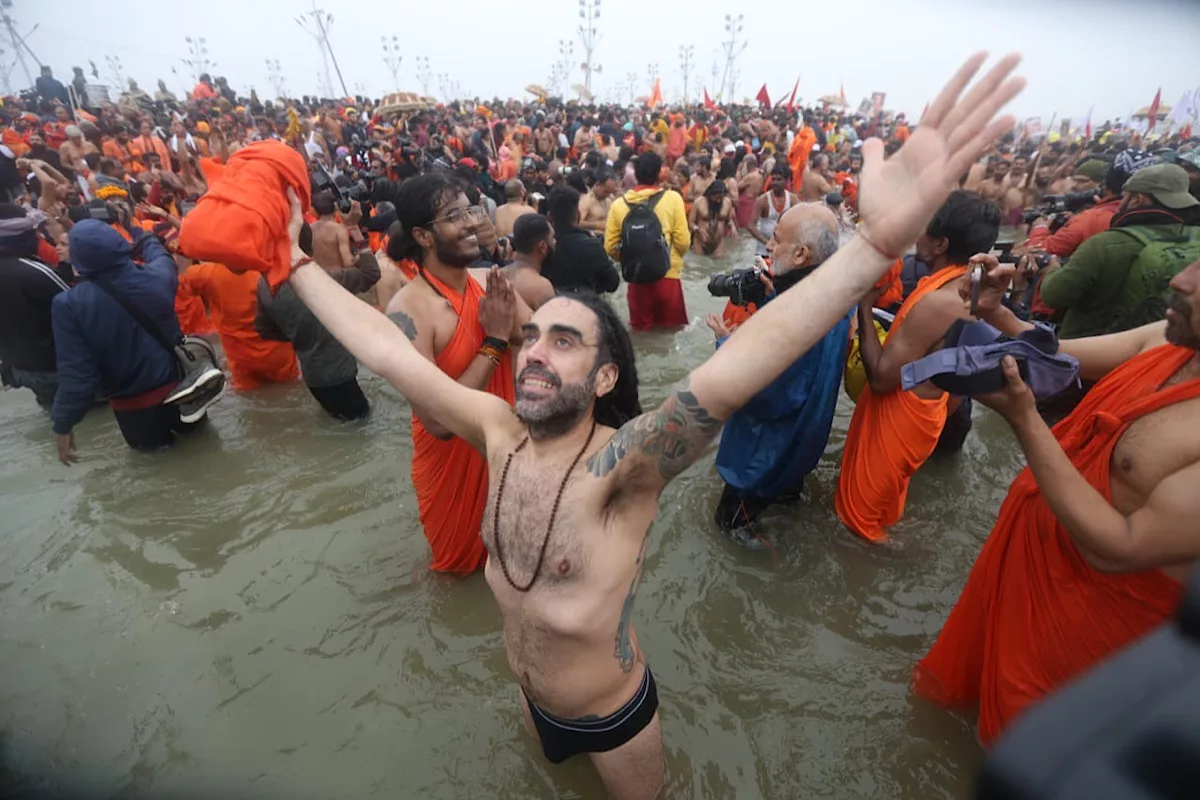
(1078, 54)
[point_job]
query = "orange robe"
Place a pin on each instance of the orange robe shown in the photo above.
(1034, 614)
(451, 476)
(893, 287)
(798, 154)
(113, 149)
(889, 439)
(142, 145)
(232, 302)
(14, 141)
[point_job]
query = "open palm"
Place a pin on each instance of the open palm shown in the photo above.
(899, 195)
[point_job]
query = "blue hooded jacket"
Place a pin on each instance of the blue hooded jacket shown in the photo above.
(774, 441)
(98, 344)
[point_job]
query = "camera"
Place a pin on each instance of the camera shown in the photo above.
(741, 286)
(1061, 205)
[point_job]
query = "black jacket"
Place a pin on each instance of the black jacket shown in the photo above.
(26, 331)
(579, 262)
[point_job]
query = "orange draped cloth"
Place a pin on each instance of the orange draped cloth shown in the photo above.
(13, 141)
(798, 154)
(232, 301)
(142, 145)
(242, 220)
(113, 149)
(1034, 614)
(889, 439)
(450, 476)
(892, 286)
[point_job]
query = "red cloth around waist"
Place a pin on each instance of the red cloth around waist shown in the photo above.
(137, 402)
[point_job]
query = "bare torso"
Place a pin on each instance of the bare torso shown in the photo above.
(993, 189)
(815, 186)
(1154, 446)
(506, 217)
(328, 240)
(568, 639)
(530, 284)
(593, 212)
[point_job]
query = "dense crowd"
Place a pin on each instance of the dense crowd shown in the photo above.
(463, 251)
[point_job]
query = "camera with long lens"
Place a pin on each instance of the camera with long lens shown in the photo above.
(1061, 206)
(741, 286)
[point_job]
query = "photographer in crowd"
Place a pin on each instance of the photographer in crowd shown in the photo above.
(101, 346)
(771, 444)
(1116, 279)
(1086, 223)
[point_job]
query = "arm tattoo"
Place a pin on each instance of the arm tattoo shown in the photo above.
(405, 323)
(673, 436)
(624, 651)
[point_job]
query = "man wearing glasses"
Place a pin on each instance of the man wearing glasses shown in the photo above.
(463, 321)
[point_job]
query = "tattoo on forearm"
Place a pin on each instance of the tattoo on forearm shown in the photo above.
(405, 323)
(673, 435)
(624, 650)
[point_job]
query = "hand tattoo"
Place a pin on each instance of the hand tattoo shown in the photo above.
(405, 323)
(673, 435)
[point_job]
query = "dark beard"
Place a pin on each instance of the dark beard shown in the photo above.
(1182, 334)
(452, 259)
(561, 414)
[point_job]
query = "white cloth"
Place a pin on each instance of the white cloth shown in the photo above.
(174, 143)
(766, 225)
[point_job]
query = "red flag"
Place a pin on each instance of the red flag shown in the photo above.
(792, 99)
(763, 97)
(1186, 133)
(656, 95)
(1153, 113)
(708, 103)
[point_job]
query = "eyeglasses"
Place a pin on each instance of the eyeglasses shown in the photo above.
(460, 215)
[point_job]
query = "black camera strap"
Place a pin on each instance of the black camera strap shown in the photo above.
(138, 315)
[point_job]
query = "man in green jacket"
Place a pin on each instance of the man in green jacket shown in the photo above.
(1112, 283)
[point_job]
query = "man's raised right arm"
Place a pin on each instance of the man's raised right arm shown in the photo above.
(382, 348)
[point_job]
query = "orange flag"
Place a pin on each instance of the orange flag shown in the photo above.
(1153, 112)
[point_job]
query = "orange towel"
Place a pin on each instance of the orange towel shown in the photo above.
(451, 476)
(889, 439)
(1034, 614)
(798, 154)
(242, 220)
(232, 302)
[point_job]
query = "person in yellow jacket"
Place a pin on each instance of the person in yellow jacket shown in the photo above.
(660, 303)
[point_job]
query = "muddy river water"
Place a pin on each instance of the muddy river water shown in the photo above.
(250, 615)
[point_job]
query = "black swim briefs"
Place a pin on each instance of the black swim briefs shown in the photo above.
(563, 738)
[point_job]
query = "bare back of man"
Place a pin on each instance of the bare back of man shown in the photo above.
(331, 244)
(506, 217)
(531, 285)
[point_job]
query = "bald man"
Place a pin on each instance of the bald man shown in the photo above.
(514, 206)
(776, 440)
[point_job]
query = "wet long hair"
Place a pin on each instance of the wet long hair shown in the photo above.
(621, 404)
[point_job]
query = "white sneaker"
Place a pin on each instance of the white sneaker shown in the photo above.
(196, 406)
(197, 384)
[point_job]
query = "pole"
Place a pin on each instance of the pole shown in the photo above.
(325, 40)
(16, 43)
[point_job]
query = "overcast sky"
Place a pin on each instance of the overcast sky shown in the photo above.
(1108, 53)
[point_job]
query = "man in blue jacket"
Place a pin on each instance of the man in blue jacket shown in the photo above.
(99, 345)
(775, 440)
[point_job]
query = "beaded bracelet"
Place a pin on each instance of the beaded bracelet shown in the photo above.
(491, 353)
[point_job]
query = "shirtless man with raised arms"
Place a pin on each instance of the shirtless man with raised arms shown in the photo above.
(576, 472)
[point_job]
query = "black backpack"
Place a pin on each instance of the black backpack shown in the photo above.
(645, 257)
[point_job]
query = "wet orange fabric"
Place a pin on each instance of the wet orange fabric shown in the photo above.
(408, 267)
(192, 313)
(1034, 614)
(901, 135)
(451, 476)
(735, 315)
(232, 302)
(889, 439)
(212, 169)
(798, 155)
(242, 220)
(893, 287)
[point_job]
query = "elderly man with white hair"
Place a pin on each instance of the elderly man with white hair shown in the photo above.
(775, 440)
